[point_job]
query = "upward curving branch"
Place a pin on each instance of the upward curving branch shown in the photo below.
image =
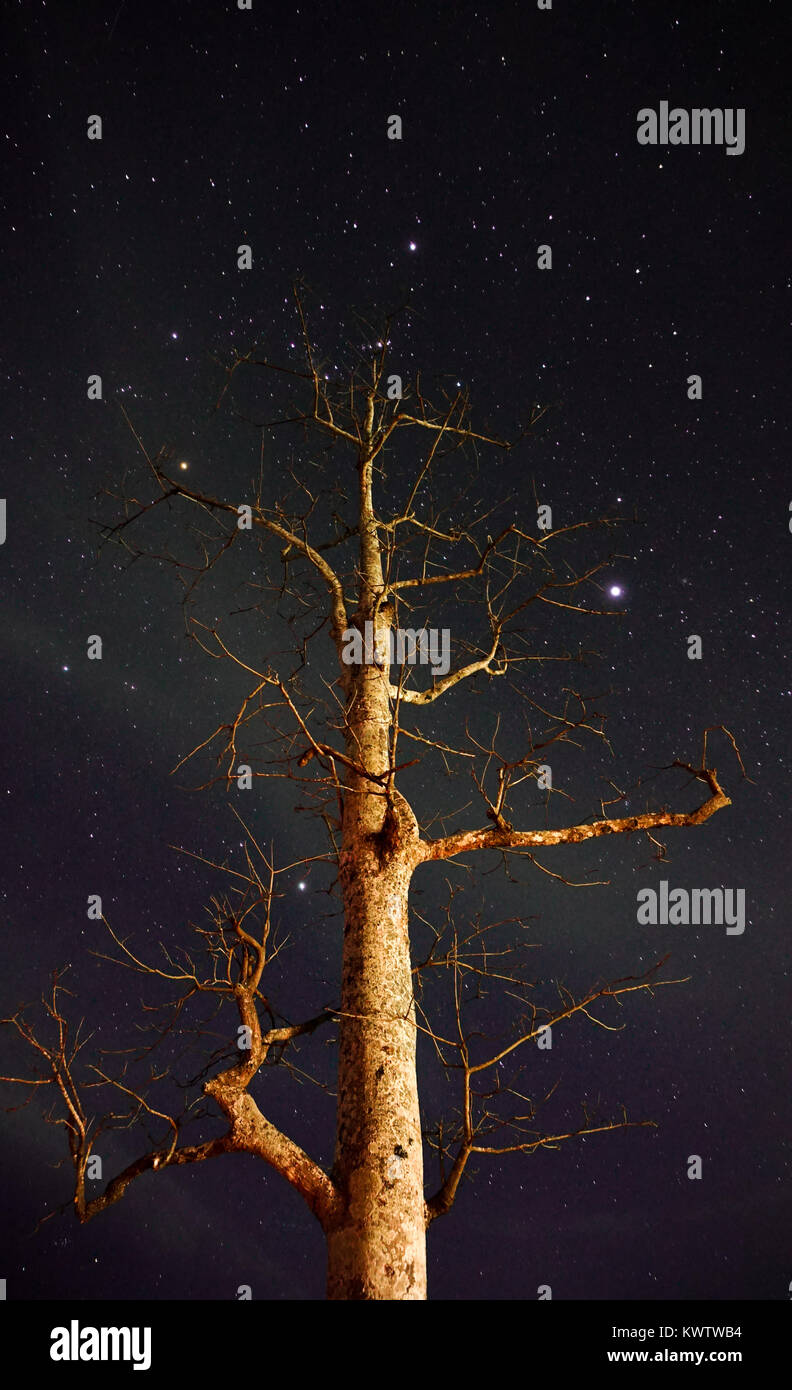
(237, 950)
(426, 697)
(504, 837)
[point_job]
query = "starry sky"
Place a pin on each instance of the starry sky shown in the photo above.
(268, 127)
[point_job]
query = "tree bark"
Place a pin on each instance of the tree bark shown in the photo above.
(377, 1241)
(377, 1245)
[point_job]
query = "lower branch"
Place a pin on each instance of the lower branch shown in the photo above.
(503, 837)
(252, 1133)
(443, 1200)
(474, 1130)
(116, 1188)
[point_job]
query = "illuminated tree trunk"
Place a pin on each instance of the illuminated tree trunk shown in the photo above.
(377, 1246)
(377, 1242)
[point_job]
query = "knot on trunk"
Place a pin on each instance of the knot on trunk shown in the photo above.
(399, 828)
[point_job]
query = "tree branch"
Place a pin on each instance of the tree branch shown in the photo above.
(497, 838)
(426, 697)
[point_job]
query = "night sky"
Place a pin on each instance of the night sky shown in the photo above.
(224, 127)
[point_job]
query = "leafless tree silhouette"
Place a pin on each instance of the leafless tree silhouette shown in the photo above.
(347, 555)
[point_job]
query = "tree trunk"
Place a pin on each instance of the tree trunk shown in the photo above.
(377, 1245)
(377, 1249)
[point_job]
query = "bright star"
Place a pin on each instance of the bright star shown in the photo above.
(615, 591)
(184, 465)
(302, 887)
(413, 246)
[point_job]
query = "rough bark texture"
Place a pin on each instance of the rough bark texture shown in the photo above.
(377, 1248)
(377, 1243)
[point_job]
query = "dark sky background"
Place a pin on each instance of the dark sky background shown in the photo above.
(268, 127)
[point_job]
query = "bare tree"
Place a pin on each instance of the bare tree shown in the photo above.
(352, 565)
